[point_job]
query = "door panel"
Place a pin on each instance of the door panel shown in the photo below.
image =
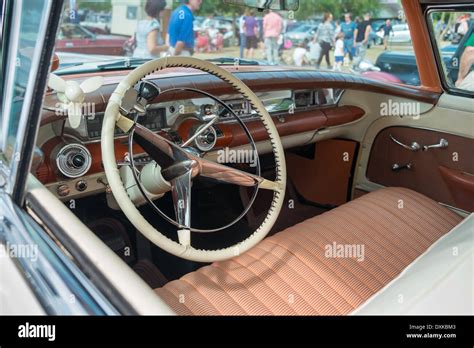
(451, 118)
(444, 174)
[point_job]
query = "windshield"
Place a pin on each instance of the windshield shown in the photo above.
(343, 35)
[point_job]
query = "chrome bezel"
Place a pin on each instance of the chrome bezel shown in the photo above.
(62, 158)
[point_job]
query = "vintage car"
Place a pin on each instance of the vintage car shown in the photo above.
(78, 39)
(402, 64)
(179, 186)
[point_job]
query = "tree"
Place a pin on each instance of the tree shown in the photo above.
(312, 8)
(94, 5)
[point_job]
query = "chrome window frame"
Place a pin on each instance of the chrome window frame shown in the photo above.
(461, 7)
(60, 285)
(17, 168)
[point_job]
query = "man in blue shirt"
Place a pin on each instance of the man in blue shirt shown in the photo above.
(348, 27)
(181, 32)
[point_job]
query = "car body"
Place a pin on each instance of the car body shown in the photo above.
(75, 38)
(69, 59)
(402, 64)
(98, 23)
(97, 161)
(400, 34)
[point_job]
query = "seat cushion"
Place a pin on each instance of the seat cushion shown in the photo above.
(326, 265)
(438, 282)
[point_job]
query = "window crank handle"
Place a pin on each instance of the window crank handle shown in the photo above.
(443, 143)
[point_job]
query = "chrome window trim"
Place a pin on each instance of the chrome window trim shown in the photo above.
(437, 50)
(8, 78)
(60, 287)
(21, 132)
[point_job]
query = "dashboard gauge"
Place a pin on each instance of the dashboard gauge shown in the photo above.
(155, 119)
(239, 107)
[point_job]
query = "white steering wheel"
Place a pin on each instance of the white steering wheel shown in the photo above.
(187, 166)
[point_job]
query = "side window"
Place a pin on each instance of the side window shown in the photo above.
(453, 34)
(18, 50)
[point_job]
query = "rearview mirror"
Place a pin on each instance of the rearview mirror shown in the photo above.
(277, 5)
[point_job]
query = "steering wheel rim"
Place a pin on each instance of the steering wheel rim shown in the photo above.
(113, 118)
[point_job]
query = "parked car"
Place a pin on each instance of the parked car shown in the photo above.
(98, 23)
(70, 59)
(197, 24)
(293, 25)
(402, 64)
(301, 33)
(75, 38)
(400, 34)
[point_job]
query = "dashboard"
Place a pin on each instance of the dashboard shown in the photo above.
(165, 115)
(302, 103)
(73, 166)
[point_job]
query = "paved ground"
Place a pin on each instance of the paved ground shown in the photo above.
(372, 54)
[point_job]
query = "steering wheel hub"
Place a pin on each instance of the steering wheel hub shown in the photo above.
(179, 169)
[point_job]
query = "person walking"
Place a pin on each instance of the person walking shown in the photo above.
(251, 32)
(361, 40)
(149, 42)
(387, 30)
(272, 29)
(243, 42)
(348, 27)
(325, 36)
(181, 28)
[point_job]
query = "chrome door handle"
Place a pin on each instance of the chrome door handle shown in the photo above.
(413, 147)
(443, 143)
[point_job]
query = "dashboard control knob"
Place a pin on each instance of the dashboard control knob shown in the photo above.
(81, 185)
(63, 190)
(207, 140)
(210, 138)
(78, 160)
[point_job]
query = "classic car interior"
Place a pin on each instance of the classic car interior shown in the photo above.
(145, 189)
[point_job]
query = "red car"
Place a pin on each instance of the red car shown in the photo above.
(75, 38)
